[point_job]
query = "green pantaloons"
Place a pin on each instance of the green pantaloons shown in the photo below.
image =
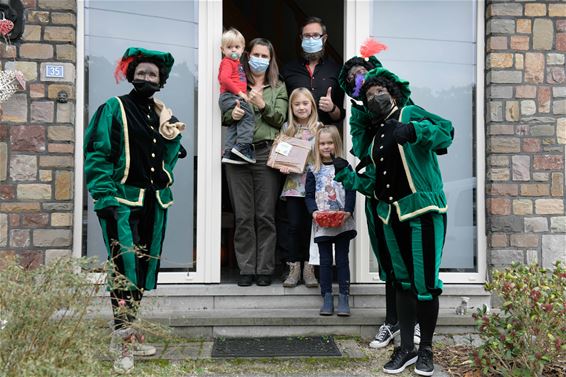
(416, 252)
(134, 240)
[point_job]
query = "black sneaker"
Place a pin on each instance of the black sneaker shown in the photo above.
(400, 359)
(263, 280)
(230, 158)
(384, 335)
(245, 151)
(245, 280)
(425, 364)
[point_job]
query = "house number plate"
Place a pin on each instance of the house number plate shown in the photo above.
(54, 70)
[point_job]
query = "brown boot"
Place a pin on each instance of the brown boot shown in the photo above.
(294, 275)
(308, 276)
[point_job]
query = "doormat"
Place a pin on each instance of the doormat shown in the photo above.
(275, 347)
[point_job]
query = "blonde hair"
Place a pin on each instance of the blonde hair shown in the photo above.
(232, 35)
(335, 135)
(312, 121)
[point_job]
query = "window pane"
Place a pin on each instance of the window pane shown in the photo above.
(432, 44)
(112, 27)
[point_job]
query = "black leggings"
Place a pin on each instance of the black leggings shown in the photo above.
(407, 309)
(299, 229)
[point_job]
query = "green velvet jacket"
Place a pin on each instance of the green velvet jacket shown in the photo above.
(419, 161)
(107, 160)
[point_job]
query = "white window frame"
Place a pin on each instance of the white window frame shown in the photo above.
(208, 138)
(357, 28)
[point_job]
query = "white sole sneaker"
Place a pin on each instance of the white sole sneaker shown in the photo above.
(242, 156)
(423, 372)
(376, 345)
(397, 371)
(143, 350)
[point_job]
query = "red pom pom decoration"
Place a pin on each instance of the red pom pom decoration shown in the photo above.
(122, 68)
(371, 47)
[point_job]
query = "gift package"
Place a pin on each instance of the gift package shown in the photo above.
(289, 152)
(330, 219)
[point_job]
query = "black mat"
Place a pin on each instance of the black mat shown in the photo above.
(275, 347)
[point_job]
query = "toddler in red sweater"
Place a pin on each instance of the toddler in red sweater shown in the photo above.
(233, 86)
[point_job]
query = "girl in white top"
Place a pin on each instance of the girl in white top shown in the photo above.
(323, 194)
(302, 124)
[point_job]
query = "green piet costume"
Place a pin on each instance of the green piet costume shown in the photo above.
(132, 144)
(417, 191)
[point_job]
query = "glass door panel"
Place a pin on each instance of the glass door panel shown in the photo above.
(110, 28)
(434, 48)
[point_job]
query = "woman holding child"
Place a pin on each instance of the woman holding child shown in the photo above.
(254, 187)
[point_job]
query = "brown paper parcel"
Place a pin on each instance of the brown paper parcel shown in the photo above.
(289, 152)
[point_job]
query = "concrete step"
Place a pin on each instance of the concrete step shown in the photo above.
(284, 322)
(232, 297)
(208, 311)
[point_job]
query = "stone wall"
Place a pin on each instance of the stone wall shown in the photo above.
(37, 138)
(526, 131)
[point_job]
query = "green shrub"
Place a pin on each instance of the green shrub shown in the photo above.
(530, 329)
(45, 329)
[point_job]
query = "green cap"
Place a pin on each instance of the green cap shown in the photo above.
(163, 58)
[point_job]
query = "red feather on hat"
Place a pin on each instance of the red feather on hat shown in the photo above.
(122, 68)
(371, 47)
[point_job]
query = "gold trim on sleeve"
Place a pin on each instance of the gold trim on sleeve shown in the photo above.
(164, 206)
(126, 142)
(419, 211)
(139, 203)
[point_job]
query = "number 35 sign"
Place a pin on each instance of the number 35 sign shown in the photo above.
(54, 71)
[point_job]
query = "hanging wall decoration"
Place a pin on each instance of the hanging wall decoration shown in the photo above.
(11, 20)
(10, 82)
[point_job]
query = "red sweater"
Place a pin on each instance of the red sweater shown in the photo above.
(231, 76)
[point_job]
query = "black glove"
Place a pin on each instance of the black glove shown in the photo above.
(403, 132)
(108, 213)
(339, 164)
(182, 152)
(173, 119)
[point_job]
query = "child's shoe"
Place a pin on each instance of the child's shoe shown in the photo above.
(327, 307)
(294, 275)
(230, 158)
(343, 309)
(308, 276)
(245, 152)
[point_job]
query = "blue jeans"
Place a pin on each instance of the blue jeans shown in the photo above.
(342, 265)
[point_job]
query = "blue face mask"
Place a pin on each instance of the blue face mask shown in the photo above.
(311, 45)
(258, 65)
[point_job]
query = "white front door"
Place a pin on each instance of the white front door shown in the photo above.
(186, 29)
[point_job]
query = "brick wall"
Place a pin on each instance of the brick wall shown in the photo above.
(37, 138)
(526, 131)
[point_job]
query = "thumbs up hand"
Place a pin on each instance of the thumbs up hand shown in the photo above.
(325, 103)
(237, 112)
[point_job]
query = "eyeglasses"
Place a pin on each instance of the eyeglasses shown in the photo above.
(314, 36)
